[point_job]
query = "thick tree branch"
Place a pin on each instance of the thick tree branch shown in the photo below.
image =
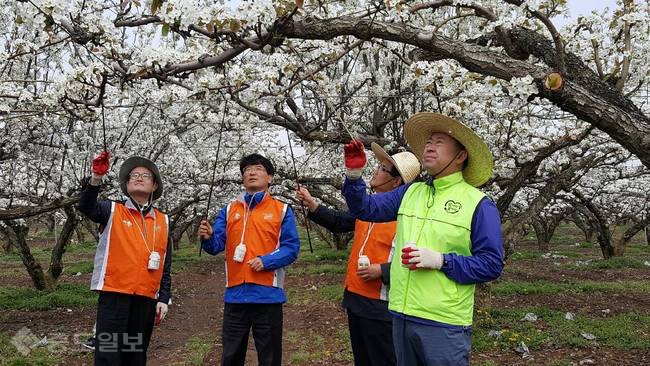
(584, 94)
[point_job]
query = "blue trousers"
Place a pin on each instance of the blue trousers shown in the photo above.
(420, 344)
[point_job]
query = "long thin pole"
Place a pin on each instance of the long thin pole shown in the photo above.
(302, 206)
(214, 167)
(104, 127)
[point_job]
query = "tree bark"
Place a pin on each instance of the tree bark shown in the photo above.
(7, 244)
(626, 237)
(18, 234)
(29, 211)
(584, 226)
(91, 227)
(544, 229)
(599, 223)
(338, 241)
(68, 230)
(179, 229)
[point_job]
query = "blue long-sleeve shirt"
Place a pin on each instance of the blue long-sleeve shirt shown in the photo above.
(284, 255)
(485, 263)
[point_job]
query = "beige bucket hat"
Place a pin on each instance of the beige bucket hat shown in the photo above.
(406, 163)
(419, 127)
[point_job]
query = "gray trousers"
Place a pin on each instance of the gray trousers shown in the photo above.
(428, 345)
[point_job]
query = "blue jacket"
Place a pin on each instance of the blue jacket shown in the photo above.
(249, 293)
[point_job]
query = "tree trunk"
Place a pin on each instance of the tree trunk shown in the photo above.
(626, 237)
(543, 238)
(192, 232)
(338, 241)
(7, 245)
(91, 227)
(177, 232)
(583, 224)
(605, 242)
(647, 235)
(341, 240)
(7, 248)
(619, 248)
(50, 222)
(18, 234)
(56, 260)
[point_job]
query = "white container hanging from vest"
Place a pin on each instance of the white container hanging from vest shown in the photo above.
(363, 262)
(154, 261)
(240, 252)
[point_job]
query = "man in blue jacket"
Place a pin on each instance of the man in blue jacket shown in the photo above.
(259, 236)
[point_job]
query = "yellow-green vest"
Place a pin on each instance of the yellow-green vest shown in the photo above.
(438, 217)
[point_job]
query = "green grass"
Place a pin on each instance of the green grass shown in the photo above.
(323, 254)
(637, 249)
(317, 269)
(9, 354)
(299, 357)
(525, 255)
(199, 348)
(40, 254)
(85, 247)
(331, 293)
(588, 245)
(511, 288)
(612, 263)
(321, 293)
(625, 331)
(66, 295)
(314, 347)
(10, 258)
(188, 254)
(83, 266)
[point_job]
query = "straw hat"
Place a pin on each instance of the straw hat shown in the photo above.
(406, 163)
(134, 162)
(420, 126)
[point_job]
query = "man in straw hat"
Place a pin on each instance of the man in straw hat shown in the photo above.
(365, 296)
(132, 270)
(448, 235)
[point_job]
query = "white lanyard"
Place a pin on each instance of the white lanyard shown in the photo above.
(143, 232)
(372, 225)
(247, 211)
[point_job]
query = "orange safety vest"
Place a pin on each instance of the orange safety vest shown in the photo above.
(262, 236)
(378, 238)
(122, 257)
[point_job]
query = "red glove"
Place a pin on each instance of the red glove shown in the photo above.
(101, 163)
(406, 257)
(354, 154)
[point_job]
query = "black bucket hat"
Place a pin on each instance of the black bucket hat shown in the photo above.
(134, 162)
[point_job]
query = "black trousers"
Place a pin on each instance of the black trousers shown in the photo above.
(266, 322)
(124, 326)
(372, 341)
